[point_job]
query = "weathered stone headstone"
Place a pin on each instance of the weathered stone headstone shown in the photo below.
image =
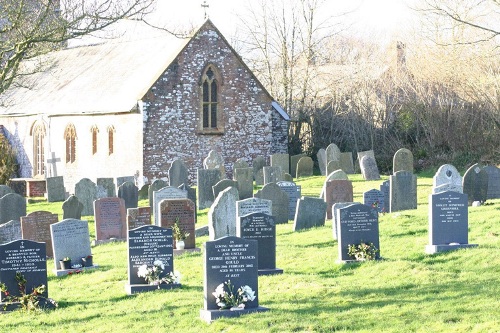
(146, 245)
(403, 191)
(385, 188)
(448, 222)
(447, 178)
(138, 217)
(321, 156)
(369, 168)
(244, 177)
(336, 175)
(253, 205)
(4, 189)
(294, 159)
(346, 162)
(287, 177)
(337, 191)
(333, 166)
(282, 161)
(222, 185)
(357, 224)
(475, 183)
(178, 173)
(12, 207)
(129, 193)
(121, 180)
(25, 257)
(110, 219)
(182, 210)
(191, 194)
(222, 214)
(279, 199)
(402, 161)
(105, 188)
(262, 228)
(214, 160)
(206, 179)
(72, 208)
(493, 182)
(258, 173)
(55, 189)
(18, 186)
(158, 184)
(36, 227)
(218, 268)
(332, 153)
(272, 174)
(294, 193)
(311, 212)
(365, 153)
(305, 167)
(10, 231)
(144, 192)
(70, 238)
(376, 199)
(86, 192)
(336, 216)
(240, 163)
(167, 192)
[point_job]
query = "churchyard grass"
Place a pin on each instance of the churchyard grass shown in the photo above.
(407, 291)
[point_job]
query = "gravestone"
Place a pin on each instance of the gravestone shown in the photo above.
(361, 154)
(138, 217)
(376, 199)
(402, 161)
(36, 227)
(244, 177)
(146, 245)
(337, 190)
(282, 161)
(287, 177)
(122, 180)
(493, 182)
(191, 194)
(178, 173)
(332, 153)
(346, 162)
(222, 185)
(110, 219)
(105, 188)
(222, 214)
(385, 188)
(272, 174)
(335, 216)
(279, 200)
(183, 211)
(206, 179)
(167, 192)
(86, 192)
(214, 160)
(25, 257)
(158, 184)
(321, 156)
(357, 224)
(70, 238)
(144, 192)
(310, 213)
(448, 222)
(305, 167)
(447, 178)
(240, 164)
(72, 208)
(369, 168)
(234, 259)
(18, 186)
(475, 184)
(403, 191)
(253, 205)
(129, 193)
(294, 159)
(55, 189)
(12, 207)
(333, 166)
(336, 175)
(258, 173)
(4, 189)
(262, 228)
(10, 231)
(294, 193)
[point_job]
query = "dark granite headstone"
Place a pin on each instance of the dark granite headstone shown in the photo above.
(86, 192)
(178, 173)
(130, 193)
(72, 208)
(311, 212)
(376, 199)
(336, 217)
(36, 227)
(10, 232)
(493, 181)
(183, 210)
(385, 188)
(110, 218)
(144, 192)
(206, 179)
(55, 189)
(12, 207)
(475, 183)
(294, 193)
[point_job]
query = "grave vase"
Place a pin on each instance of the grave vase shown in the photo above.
(179, 244)
(65, 264)
(87, 261)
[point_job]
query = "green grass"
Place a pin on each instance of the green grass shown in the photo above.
(408, 291)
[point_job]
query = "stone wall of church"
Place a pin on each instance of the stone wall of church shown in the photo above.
(171, 111)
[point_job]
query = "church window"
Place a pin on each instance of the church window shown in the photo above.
(111, 133)
(70, 137)
(38, 134)
(94, 130)
(210, 115)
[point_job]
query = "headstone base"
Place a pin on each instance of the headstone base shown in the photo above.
(105, 241)
(43, 303)
(63, 272)
(270, 271)
(142, 288)
(179, 252)
(211, 315)
(355, 261)
(431, 249)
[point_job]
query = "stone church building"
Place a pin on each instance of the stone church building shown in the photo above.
(133, 104)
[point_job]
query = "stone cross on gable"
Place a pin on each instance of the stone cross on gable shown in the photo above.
(205, 6)
(53, 162)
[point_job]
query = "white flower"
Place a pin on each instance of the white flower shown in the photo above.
(248, 292)
(176, 276)
(159, 263)
(142, 271)
(219, 291)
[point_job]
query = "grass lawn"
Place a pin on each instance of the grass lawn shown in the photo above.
(407, 291)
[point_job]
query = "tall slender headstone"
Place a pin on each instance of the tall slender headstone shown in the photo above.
(475, 183)
(55, 189)
(321, 156)
(206, 179)
(403, 191)
(222, 214)
(493, 182)
(282, 161)
(244, 177)
(385, 188)
(258, 173)
(178, 173)
(110, 219)
(294, 193)
(86, 192)
(72, 208)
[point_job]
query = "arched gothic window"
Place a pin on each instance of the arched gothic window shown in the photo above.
(94, 130)
(211, 111)
(70, 137)
(38, 133)
(111, 133)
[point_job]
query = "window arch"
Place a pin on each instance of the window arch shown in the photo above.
(111, 134)
(94, 130)
(211, 111)
(38, 133)
(70, 137)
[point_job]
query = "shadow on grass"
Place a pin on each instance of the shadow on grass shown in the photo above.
(411, 233)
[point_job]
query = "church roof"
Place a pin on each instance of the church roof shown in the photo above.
(110, 76)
